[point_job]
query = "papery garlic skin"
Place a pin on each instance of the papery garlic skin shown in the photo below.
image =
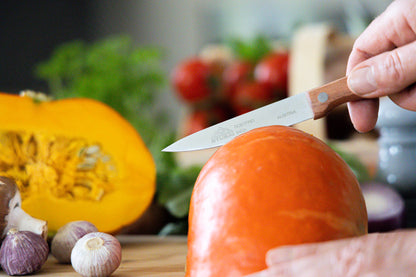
(23, 252)
(66, 237)
(96, 254)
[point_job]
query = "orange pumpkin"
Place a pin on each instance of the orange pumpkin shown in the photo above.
(269, 187)
(75, 159)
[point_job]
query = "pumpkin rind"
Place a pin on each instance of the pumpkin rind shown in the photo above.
(269, 187)
(132, 187)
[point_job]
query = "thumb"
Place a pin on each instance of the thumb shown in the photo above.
(385, 74)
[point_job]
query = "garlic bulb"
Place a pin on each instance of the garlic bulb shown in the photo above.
(23, 252)
(96, 254)
(66, 237)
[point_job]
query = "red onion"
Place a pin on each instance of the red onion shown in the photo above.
(385, 207)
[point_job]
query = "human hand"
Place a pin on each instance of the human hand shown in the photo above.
(383, 62)
(376, 254)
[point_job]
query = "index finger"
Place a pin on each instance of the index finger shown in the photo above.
(395, 27)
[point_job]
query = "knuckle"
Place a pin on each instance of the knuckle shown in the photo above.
(394, 68)
(350, 260)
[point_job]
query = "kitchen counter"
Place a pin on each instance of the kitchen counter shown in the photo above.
(141, 256)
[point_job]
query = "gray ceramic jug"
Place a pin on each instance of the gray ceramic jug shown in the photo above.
(397, 147)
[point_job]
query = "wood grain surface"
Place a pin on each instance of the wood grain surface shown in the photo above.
(334, 94)
(141, 256)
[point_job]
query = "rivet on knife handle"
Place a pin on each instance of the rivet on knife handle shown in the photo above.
(329, 96)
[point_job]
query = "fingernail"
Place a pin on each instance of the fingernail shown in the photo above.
(361, 81)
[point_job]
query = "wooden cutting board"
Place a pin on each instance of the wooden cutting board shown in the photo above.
(141, 256)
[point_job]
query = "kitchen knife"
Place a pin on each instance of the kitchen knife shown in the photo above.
(315, 103)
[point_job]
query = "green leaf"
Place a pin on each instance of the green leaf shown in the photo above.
(250, 50)
(175, 188)
(175, 228)
(172, 183)
(359, 169)
(178, 205)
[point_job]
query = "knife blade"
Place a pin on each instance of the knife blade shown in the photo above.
(312, 104)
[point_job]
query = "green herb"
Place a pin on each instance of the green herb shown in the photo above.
(175, 189)
(179, 227)
(359, 169)
(113, 71)
(250, 50)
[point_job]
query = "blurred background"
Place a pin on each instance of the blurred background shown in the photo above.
(125, 53)
(31, 30)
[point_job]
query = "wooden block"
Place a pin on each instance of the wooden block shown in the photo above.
(318, 55)
(307, 67)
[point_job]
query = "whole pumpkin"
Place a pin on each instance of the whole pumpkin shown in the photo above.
(75, 159)
(269, 187)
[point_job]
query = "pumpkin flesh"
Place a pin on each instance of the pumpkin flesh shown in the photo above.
(75, 159)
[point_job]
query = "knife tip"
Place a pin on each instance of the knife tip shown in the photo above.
(177, 148)
(168, 149)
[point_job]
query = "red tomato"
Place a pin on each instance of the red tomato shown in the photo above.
(234, 74)
(192, 80)
(201, 119)
(251, 95)
(272, 71)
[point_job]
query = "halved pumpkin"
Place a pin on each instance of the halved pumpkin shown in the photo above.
(75, 159)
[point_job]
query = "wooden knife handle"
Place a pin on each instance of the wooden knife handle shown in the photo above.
(325, 98)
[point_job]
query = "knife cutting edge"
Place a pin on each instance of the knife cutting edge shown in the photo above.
(312, 104)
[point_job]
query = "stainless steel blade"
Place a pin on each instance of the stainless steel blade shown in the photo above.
(286, 112)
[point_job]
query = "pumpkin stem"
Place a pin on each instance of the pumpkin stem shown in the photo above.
(37, 97)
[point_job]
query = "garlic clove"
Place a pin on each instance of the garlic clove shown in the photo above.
(96, 254)
(66, 237)
(11, 213)
(23, 252)
(22, 221)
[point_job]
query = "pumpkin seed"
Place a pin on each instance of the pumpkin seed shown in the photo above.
(85, 166)
(91, 150)
(69, 167)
